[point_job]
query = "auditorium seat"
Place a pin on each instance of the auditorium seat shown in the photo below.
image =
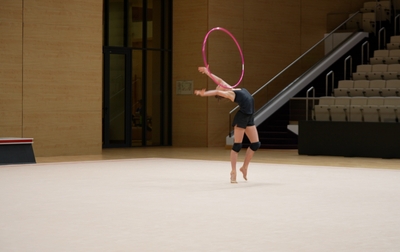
(377, 72)
(369, 22)
(371, 112)
(392, 60)
(359, 88)
(343, 88)
(385, 57)
(389, 110)
(393, 57)
(384, 11)
(356, 108)
(394, 43)
(362, 72)
(392, 88)
(375, 88)
(380, 57)
(395, 39)
(370, 7)
(340, 110)
(394, 52)
(392, 46)
(381, 8)
(355, 22)
(322, 110)
(392, 72)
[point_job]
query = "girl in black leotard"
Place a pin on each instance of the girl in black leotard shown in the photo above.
(243, 122)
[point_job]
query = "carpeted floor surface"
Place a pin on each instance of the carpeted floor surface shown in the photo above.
(160, 204)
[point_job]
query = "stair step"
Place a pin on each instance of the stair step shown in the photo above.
(274, 134)
(275, 146)
(278, 141)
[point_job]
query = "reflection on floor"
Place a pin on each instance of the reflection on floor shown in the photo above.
(222, 154)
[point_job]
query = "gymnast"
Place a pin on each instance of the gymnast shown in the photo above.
(243, 122)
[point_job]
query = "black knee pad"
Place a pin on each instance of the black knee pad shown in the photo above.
(237, 147)
(255, 146)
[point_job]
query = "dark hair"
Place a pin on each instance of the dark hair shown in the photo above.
(218, 97)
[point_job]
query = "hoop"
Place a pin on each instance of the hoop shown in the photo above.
(205, 58)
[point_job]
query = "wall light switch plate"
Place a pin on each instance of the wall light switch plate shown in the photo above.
(184, 87)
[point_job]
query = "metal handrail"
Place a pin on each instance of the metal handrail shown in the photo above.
(395, 24)
(326, 82)
(345, 66)
(313, 105)
(379, 37)
(229, 127)
(362, 51)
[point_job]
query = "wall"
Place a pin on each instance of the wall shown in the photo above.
(271, 33)
(189, 120)
(11, 68)
(53, 75)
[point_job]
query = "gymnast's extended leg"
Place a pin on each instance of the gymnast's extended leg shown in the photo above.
(237, 146)
(252, 134)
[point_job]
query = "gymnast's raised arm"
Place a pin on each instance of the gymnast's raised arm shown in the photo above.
(226, 94)
(220, 81)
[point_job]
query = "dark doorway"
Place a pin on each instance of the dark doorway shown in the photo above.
(117, 97)
(142, 30)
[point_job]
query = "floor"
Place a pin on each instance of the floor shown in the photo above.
(222, 154)
(180, 199)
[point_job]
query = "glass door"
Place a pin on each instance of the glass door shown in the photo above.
(117, 112)
(149, 36)
(137, 73)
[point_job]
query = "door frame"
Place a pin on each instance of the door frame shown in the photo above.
(107, 51)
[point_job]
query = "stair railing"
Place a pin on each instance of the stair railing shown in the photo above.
(365, 44)
(345, 66)
(313, 103)
(331, 73)
(379, 38)
(395, 24)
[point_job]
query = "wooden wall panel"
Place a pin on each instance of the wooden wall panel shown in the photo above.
(77, 13)
(225, 61)
(270, 42)
(11, 68)
(63, 132)
(60, 70)
(63, 76)
(190, 112)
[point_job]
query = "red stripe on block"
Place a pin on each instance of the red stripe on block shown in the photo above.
(16, 140)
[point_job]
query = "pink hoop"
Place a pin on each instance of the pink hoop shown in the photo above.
(205, 58)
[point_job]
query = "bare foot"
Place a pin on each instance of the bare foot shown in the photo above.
(233, 177)
(244, 171)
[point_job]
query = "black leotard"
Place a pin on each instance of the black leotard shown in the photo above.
(245, 101)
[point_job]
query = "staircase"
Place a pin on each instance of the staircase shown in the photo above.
(273, 132)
